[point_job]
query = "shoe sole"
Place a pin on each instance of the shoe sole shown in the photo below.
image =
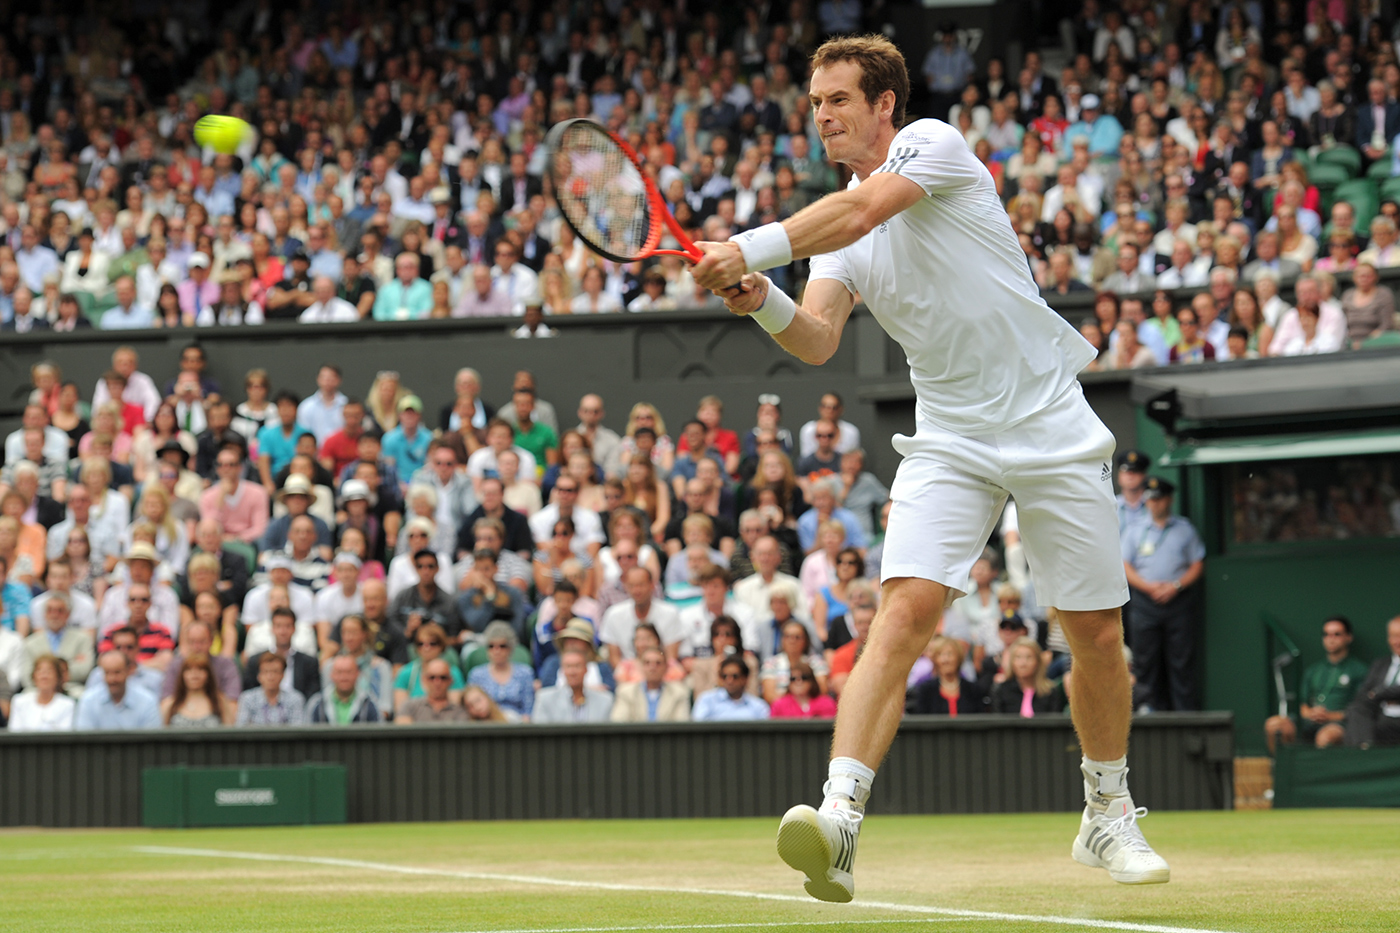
(1083, 856)
(803, 846)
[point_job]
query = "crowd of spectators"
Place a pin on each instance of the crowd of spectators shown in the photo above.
(396, 170)
(337, 560)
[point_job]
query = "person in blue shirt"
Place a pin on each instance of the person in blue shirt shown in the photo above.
(14, 602)
(321, 413)
(826, 507)
(407, 444)
(1163, 558)
(731, 701)
(277, 443)
(1132, 481)
(1103, 129)
(120, 706)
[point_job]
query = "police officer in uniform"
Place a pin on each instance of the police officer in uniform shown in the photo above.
(1132, 478)
(1164, 557)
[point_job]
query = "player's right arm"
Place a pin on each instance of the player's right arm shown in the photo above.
(815, 330)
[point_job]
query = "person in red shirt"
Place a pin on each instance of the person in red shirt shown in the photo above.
(710, 413)
(155, 646)
(342, 447)
(859, 615)
(133, 416)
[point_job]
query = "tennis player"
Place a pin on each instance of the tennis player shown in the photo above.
(921, 236)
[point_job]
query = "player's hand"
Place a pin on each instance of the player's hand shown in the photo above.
(754, 292)
(722, 266)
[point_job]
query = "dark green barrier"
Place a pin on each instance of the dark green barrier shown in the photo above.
(1336, 777)
(177, 797)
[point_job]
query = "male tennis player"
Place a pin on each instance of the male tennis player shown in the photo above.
(920, 235)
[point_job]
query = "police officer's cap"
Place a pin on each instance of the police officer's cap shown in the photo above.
(1157, 488)
(1134, 461)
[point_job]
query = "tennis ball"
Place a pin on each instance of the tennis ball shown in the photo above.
(222, 134)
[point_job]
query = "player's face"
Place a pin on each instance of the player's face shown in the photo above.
(846, 120)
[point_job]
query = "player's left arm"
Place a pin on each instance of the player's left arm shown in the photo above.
(834, 222)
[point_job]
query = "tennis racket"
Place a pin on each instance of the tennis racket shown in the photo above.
(606, 198)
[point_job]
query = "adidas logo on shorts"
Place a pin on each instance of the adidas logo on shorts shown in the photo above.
(1106, 473)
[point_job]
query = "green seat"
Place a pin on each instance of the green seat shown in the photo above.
(1390, 190)
(1343, 155)
(88, 305)
(1327, 176)
(1390, 338)
(1379, 170)
(1361, 194)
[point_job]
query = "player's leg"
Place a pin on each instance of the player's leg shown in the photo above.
(1069, 527)
(872, 702)
(1103, 703)
(940, 519)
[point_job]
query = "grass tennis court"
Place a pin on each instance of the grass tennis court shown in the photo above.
(1243, 872)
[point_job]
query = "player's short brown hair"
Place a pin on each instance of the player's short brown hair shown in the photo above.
(881, 64)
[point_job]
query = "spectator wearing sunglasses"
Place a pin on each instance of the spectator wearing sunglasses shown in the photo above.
(441, 700)
(730, 701)
(804, 698)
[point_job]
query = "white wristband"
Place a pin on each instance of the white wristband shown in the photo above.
(777, 310)
(765, 247)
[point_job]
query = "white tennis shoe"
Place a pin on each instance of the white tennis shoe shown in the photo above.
(1111, 839)
(821, 845)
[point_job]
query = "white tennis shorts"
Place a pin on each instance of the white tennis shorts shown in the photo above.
(1057, 464)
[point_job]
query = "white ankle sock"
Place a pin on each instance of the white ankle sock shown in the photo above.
(847, 787)
(1104, 780)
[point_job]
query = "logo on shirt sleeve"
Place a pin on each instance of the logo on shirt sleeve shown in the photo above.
(901, 158)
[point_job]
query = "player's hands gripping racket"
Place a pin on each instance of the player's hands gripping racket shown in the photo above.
(606, 198)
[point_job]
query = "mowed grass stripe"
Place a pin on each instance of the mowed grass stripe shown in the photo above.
(1080, 922)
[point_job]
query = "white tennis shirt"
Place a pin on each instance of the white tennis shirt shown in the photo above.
(947, 279)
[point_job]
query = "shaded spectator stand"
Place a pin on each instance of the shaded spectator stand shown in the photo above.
(1289, 470)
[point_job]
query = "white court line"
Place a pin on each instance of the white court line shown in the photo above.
(648, 889)
(737, 926)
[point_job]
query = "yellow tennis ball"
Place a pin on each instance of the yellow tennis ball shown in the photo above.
(222, 134)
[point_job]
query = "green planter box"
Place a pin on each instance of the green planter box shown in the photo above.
(1336, 777)
(178, 797)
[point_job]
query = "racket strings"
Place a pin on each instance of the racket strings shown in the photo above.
(603, 195)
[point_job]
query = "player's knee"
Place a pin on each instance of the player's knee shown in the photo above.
(1094, 634)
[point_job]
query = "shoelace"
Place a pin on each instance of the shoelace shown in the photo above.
(1126, 829)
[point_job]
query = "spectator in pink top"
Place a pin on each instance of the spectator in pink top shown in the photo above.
(804, 698)
(236, 504)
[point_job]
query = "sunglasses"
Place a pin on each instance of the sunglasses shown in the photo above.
(502, 645)
(796, 678)
(436, 677)
(823, 435)
(567, 488)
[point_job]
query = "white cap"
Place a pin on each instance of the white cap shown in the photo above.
(199, 260)
(1089, 102)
